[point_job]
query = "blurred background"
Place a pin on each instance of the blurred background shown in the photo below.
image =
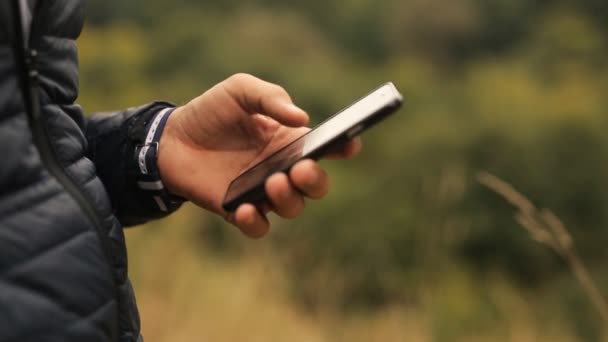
(408, 246)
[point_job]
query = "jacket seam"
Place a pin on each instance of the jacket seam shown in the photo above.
(39, 199)
(75, 317)
(30, 258)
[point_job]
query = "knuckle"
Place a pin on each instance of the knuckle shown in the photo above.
(240, 78)
(277, 89)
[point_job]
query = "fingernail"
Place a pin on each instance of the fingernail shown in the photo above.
(292, 107)
(296, 110)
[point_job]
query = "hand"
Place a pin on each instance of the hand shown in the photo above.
(229, 128)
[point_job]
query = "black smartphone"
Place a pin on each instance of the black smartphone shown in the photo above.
(248, 187)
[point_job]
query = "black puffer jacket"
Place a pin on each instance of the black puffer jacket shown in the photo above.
(66, 191)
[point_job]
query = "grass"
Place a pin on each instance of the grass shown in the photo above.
(187, 293)
(546, 228)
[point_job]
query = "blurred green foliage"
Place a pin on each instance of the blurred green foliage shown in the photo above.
(518, 88)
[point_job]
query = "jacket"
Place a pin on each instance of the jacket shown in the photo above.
(67, 188)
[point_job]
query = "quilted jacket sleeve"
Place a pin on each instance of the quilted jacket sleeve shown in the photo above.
(112, 139)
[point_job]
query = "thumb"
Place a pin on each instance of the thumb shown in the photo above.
(256, 96)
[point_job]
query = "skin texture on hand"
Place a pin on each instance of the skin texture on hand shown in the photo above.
(234, 125)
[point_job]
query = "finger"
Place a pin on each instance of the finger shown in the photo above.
(249, 220)
(285, 199)
(347, 151)
(310, 178)
(257, 96)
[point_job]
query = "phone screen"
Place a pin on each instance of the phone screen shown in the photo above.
(349, 120)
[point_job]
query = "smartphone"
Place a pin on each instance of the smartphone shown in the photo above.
(248, 187)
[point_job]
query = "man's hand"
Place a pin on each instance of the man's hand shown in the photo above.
(229, 128)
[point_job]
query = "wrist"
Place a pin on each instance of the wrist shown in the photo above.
(147, 159)
(168, 147)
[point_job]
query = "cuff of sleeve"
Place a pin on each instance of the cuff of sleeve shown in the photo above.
(145, 157)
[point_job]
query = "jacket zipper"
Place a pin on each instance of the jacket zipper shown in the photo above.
(25, 59)
(42, 142)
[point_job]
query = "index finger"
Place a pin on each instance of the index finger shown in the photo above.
(256, 96)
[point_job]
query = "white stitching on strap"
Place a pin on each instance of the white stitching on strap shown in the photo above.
(154, 125)
(158, 185)
(160, 203)
(142, 159)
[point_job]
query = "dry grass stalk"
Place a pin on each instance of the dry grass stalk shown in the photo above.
(546, 228)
